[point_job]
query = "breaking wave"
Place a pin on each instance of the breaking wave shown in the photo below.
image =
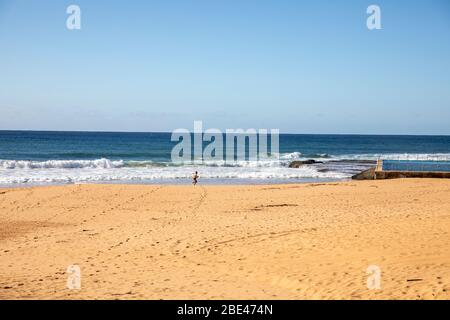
(61, 164)
(64, 175)
(103, 169)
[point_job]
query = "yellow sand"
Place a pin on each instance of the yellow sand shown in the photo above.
(311, 241)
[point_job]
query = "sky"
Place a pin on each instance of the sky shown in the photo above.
(297, 66)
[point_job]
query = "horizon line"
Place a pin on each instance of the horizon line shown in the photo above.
(281, 133)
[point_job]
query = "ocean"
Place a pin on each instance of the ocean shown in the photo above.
(36, 158)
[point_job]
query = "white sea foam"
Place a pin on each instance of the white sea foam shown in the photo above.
(89, 174)
(69, 171)
(291, 156)
(397, 156)
(56, 164)
(368, 156)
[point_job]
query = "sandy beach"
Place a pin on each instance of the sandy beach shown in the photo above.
(305, 241)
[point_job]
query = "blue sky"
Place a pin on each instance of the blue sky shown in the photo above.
(300, 66)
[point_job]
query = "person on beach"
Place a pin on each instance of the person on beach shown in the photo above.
(194, 178)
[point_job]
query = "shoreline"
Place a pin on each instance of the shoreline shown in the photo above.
(288, 241)
(182, 182)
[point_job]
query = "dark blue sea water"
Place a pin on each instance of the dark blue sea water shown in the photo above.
(31, 157)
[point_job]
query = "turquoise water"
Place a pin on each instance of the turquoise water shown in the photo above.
(30, 157)
(409, 165)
